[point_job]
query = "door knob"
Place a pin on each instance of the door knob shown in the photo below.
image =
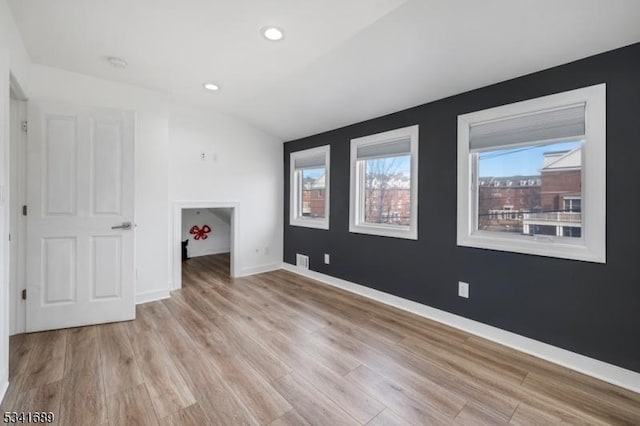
(125, 225)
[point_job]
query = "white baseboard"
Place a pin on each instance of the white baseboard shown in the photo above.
(260, 269)
(592, 367)
(151, 296)
(209, 252)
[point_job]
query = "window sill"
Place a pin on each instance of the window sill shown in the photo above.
(405, 232)
(310, 223)
(548, 246)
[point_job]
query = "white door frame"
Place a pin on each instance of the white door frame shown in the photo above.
(178, 206)
(16, 190)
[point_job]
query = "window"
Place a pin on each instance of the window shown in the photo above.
(384, 184)
(554, 147)
(572, 204)
(309, 183)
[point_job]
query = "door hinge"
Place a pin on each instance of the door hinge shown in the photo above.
(24, 210)
(24, 294)
(25, 126)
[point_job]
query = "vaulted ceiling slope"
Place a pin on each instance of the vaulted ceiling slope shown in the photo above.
(340, 62)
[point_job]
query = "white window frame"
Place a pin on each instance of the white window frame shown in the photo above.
(356, 198)
(592, 245)
(295, 216)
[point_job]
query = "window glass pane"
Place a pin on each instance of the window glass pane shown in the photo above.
(533, 190)
(313, 192)
(387, 190)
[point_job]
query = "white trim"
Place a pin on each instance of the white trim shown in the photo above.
(17, 222)
(356, 199)
(176, 262)
(152, 296)
(4, 385)
(592, 367)
(260, 269)
(193, 254)
(591, 246)
(294, 189)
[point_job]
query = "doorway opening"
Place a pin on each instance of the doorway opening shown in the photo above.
(206, 244)
(204, 240)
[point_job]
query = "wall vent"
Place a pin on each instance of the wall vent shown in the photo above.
(302, 261)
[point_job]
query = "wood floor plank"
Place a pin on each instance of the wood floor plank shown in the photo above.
(266, 308)
(20, 348)
(606, 408)
(473, 414)
(193, 323)
(483, 348)
(252, 389)
(45, 398)
(131, 407)
(290, 418)
(247, 384)
(46, 363)
(455, 359)
(313, 406)
(419, 375)
(387, 418)
(168, 391)
(398, 399)
(215, 397)
(340, 363)
(352, 399)
(529, 416)
(83, 385)
(322, 309)
(235, 330)
(119, 368)
(189, 416)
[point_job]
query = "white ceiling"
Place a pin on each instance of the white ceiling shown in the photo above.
(341, 62)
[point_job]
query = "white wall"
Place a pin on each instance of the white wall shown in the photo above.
(218, 240)
(13, 61)
(242, 165)
(152, 142)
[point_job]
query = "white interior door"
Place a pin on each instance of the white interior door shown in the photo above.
(80, 268)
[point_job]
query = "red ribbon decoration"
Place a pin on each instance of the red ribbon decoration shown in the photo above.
(200, 233)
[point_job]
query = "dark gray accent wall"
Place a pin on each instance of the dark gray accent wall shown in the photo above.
(592, 309)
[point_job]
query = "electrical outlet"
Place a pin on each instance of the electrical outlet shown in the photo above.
(267, 251)
(463, 289)
(326, 258)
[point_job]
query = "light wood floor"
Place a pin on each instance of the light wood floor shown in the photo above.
(280, 349)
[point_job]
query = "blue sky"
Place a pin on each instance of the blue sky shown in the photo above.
(518, 161)
(312, 173)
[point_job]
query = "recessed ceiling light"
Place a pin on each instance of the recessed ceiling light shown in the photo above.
(116, 62)
(272, 33)
(211, 86)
